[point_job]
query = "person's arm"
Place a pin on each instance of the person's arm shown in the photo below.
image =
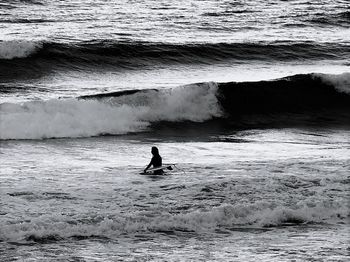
(149, 165)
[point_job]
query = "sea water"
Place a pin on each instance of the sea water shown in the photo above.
(272, 194)
(261, 167)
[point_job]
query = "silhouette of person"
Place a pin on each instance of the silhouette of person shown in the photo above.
(156, 161)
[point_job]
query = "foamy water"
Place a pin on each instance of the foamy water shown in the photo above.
(85, 118)
(289, 187)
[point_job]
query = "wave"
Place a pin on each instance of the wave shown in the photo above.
(15, 56)
(119, 113)
(337, 19)
(14, 2)
(316, 98)
(25, 21)
(258, 215)
(297, 93)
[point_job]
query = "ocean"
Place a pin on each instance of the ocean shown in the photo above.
(249, 99)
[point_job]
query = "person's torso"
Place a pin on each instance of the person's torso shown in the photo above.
(157, 161)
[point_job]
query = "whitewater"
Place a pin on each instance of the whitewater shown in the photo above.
(250, 100)
(257, 193)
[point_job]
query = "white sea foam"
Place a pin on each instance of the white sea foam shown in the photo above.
(341, 82)
(259, 214)
(17, 48)
(115, 115)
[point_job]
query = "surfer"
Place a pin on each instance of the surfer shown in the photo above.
(156, 161)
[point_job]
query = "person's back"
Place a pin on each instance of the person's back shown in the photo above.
(157, 162)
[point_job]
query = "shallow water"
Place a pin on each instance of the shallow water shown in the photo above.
(277, 194)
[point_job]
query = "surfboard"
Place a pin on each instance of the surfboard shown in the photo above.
(150, 171)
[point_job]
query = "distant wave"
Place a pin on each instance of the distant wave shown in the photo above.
(14, 3)
(15, 56)
(314, 97)
(25, 21)
(337, 19)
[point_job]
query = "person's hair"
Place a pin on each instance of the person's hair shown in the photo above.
(155, 150)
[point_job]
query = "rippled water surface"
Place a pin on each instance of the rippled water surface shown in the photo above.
(249, 99)
(266, 194)
(219, 21)
(85, 47)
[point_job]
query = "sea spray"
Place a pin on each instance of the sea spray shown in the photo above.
(18, 48)
(341, 82)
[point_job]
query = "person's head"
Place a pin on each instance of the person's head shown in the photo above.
(154, 151)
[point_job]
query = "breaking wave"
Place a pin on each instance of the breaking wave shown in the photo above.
(315, 97)
(112, 115)
(259, 215)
